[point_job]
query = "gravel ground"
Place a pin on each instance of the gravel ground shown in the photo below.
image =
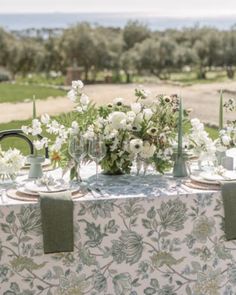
(202, 98)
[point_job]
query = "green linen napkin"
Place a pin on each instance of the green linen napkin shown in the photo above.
(57, 222)
(229, 201)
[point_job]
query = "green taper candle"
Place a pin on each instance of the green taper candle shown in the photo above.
(221, 111)
(34, 108)
(180, 128)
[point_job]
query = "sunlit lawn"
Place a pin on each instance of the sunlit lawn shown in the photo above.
(187, 78)
(18, 93)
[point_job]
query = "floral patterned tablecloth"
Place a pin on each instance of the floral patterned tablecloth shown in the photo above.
(147, 235)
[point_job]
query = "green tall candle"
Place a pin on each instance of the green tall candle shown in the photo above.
(180, 128)
(221, 111)
(34, 108)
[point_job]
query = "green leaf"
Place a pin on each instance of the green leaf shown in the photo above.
(15, 287)
(122, 284)
(94, 234)
(154, 283)
(10, 237)
(5, 228)
(151, 213)
(146, 223)
(100, 282)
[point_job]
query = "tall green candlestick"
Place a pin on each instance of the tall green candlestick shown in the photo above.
(34, 108)
(180, 128)
(221, 111)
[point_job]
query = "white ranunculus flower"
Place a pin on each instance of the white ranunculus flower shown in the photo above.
(84, 99)
(77, 84)
(152, 131)
(147, 113)
(118, 120)
(148, 150)
(118, 101)
(45, 118)
(136, 145)
(136, 107)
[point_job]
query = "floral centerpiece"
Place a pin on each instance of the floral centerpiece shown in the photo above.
(142, 131)
(11, 161)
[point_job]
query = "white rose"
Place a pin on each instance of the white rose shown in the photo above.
(136, 107)
(117, 119)
(147, 114)
(136, 146)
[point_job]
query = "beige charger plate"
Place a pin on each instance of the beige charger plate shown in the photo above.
(16, 195)
(202, 186)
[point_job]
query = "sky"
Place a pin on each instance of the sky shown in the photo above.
(158, 7)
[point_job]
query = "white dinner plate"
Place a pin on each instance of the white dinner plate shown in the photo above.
(198, 178)
(38, 188)
(211, 176)
(24, 190)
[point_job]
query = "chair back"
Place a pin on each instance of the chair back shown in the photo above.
(20, 134)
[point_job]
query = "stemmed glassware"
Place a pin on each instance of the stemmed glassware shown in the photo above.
(77, 151)
(96, 151)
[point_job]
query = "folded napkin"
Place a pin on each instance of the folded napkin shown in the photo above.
(57, 222)
(229, 201)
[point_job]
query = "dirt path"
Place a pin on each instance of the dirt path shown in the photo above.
(203, 99)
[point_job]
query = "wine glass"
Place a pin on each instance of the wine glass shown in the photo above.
(96, 151)
(76, 149)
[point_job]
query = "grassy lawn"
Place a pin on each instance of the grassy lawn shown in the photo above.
(187, 78)
(18, 93)
(41, 79)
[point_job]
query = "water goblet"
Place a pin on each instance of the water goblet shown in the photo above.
(96, 151)
(76, 149)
